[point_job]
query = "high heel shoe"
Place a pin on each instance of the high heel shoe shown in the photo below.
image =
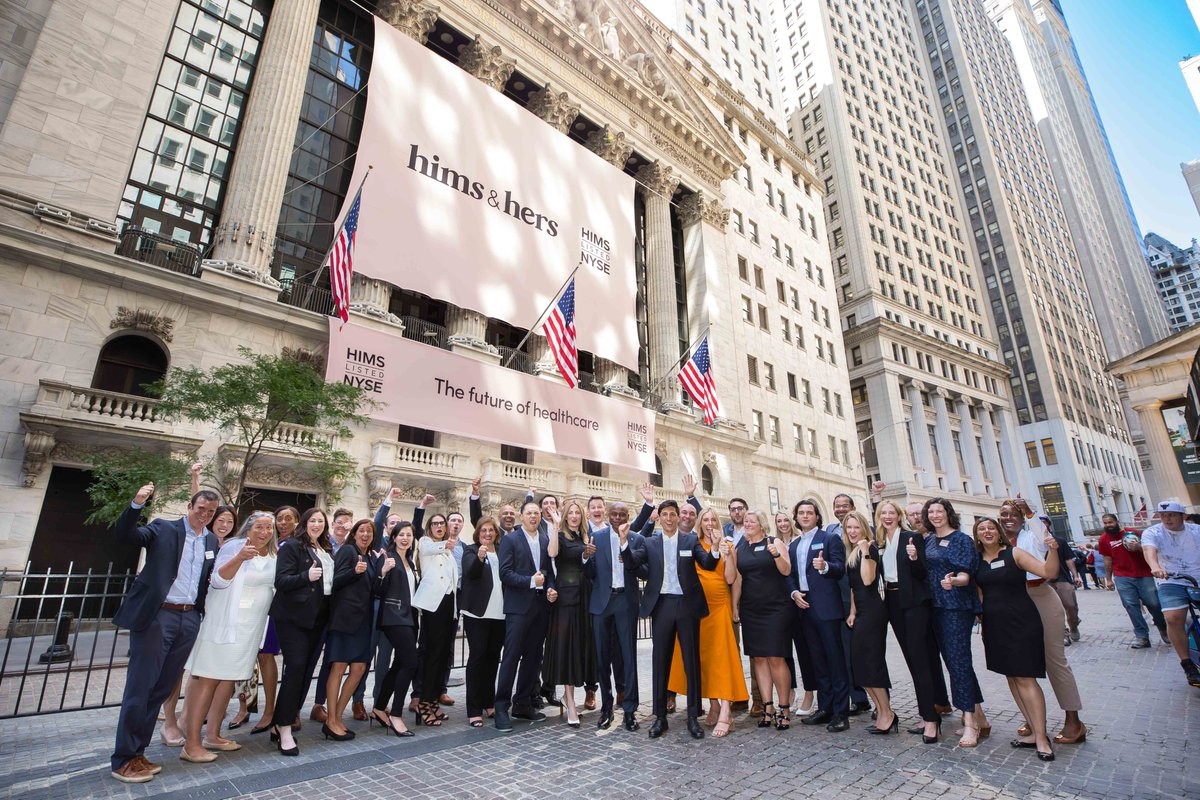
(971, 731)
(937, 734)
(384, 722)
(403, 734)
(573, 723)
(768, 717)
(429, 715)
(722, 728)
(783, 719)
(893, 728)
(1077, 739)
(329, 733)
(274, 732)
(294, 750)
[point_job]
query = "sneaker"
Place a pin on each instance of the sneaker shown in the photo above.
(1140, 644)
(1189, 668)
(132, 771)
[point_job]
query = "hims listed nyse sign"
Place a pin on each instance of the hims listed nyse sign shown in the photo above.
(595, 251)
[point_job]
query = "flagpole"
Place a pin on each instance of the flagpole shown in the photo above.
(553, 300)
(325, 260)
(686, 355)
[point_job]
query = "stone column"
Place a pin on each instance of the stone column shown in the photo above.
(610, 145)
(895, 460)
(411, 17)
(467, 332)
(658, 182)
(970, 451)
(945, 443)
(486, 63)
(991, 454)
(372, 298)
(926, 471)
(614, 379)
(544, 365)
(556, 108)
(245, 240)
(1167, 479)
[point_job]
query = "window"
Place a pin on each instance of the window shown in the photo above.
(706, 479)
(757, 425)
(826, 401)
(763, 320)
(773, 428)
(1031, 452)
(743, 269)
(793, 391)
(807, 387)
(833, 451)
(1049, 452)
(759, 281)
(593, 468)
(752, 369)
(127, 363)
(420, 436)
(812, 442)
(657, 478)
(769, 375)
(519, 455)
(747, 309)
(797, 438)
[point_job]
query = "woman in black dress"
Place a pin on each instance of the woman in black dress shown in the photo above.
(1012, 629)
(762, 562)
(867, 620)
(570, 648)
(394, 585)
(350, 625)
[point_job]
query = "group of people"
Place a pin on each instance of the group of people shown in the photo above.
(550, 593)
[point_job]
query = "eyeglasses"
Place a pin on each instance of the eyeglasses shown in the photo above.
(737, 508)
(438, 522)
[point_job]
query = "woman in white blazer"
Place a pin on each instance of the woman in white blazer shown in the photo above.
(436, 597)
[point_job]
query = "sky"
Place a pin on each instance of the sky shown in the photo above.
(1131, 51)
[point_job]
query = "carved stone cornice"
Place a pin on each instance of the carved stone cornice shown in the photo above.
(658, 178)
(611, 145)
(488, 64)
(141, 319)
(411, 17)
(670, 147)
(556, 108)
(695, 209)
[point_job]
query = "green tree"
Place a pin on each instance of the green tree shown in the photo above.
(117, 475)
(251, 403)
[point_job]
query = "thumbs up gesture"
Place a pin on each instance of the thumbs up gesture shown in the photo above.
(389, 563)
(911, 549)
(819, 562)
(248, 552)
(360, 567)
(143, 494)
(773, 549)
(315, 572)
(948, 581)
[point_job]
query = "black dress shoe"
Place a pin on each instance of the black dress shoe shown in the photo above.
(539, 702)
(551, 700)
(631, 723)
(606, 719)
(530, 714)
(817, 718)
(503, 722)
(659, 727)
(838, 724)
(694, 728)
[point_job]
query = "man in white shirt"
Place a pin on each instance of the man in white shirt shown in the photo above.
(1172, 548)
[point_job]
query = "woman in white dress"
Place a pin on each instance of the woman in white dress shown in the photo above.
(239, 597)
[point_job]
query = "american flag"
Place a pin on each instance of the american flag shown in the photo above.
(341, 261)
(696, 377)
(559, 330)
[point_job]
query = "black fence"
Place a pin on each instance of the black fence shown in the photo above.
(60, 650)
(161, 251)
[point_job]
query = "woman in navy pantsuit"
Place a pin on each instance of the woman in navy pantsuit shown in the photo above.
(951, 560)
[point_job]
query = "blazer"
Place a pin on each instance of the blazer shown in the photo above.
(477, 586)
(640, 523)
(298, 601)
(912, 575)
(439, 574)
(163, 540)
(690, 557)
(351, 598)
(598, 568)
(517, 568)
(394, 593)
(824, 594)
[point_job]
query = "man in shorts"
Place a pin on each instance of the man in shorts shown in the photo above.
(1173, 547)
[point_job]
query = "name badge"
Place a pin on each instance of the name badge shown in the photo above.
(759, 548)
(820, 546)
(209, 555)
(685, 553)
(996, 564)
(944, 543)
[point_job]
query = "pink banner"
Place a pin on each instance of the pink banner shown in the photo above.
(427, 387)
(475, 201)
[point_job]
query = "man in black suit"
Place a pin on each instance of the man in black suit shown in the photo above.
(614, 607)
(528, 579)
(674, 600)
(162, 613)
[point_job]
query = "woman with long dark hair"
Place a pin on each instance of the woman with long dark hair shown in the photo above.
(397, 620)
(303, 585)
(570, 646)
(483, 619)
(437, 599)
(350, 625)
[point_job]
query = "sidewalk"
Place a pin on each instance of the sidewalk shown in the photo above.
(1140, 716)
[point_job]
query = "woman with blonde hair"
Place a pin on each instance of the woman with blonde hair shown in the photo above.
(867, 619)
(721, 679)
(570, 646)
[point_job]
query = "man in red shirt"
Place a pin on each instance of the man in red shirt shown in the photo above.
(1125, 564)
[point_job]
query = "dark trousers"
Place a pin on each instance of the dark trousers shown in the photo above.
(824, 641)
(437, 638)
(485, 640)
(672, 619)
(614, 630)
(857, 695)
(381, 646)
(801, 666)
(301, 648)
(953, 630)
(914, 630)
(521, 664)
(156, 658)
(402, 640)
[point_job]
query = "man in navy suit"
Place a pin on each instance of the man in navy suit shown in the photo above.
(674, 601)
(162, 613)
(614, 607)
(818, 561)
(528, 579)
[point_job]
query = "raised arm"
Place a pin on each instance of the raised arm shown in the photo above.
(127, 530)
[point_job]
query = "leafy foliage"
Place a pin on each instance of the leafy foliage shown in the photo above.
(117, 475)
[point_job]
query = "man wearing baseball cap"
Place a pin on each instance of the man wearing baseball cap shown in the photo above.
(1172, 547)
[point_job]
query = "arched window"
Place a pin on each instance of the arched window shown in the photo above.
(706, 479)
(127, 363)
(656, 479)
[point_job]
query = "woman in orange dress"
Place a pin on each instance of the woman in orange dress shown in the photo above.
(722, 677)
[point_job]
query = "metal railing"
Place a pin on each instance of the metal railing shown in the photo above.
(429, 333)
(294, 293)
(161, 251)
(516, 360)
